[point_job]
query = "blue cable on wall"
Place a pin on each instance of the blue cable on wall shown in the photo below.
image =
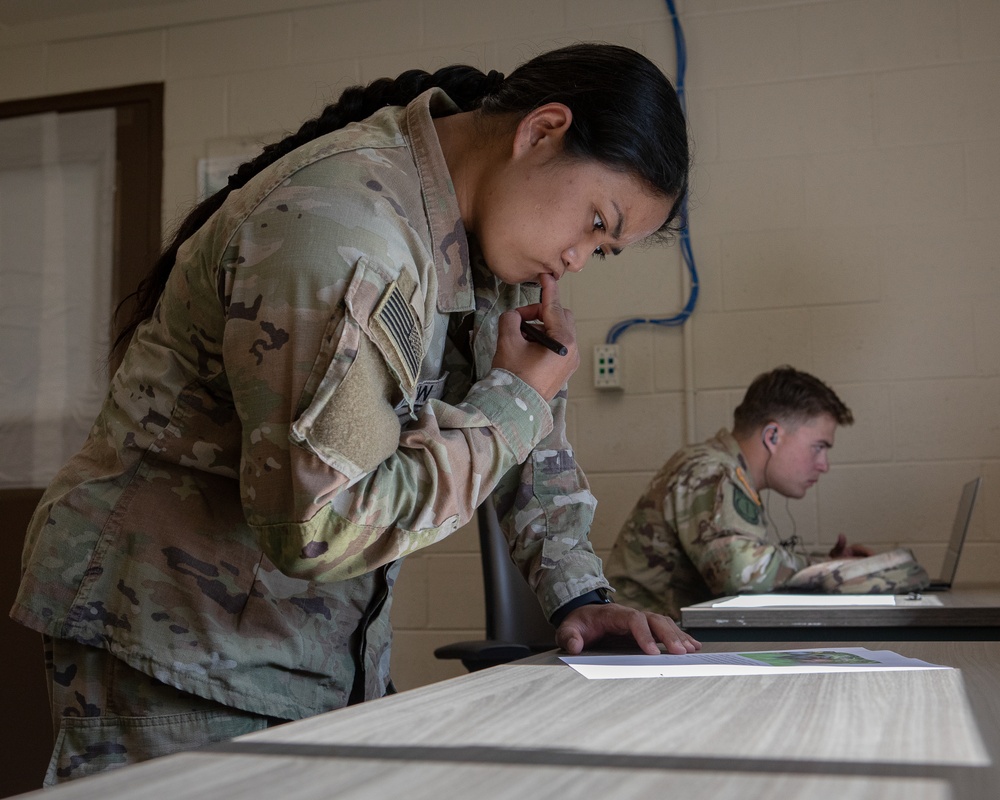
(680, 318)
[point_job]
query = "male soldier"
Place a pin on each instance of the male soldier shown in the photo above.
(699, 531)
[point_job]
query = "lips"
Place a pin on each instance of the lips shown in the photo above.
(555, 276)
(555, 272)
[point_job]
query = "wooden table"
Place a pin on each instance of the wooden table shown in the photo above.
(962, 613)
(536, 728)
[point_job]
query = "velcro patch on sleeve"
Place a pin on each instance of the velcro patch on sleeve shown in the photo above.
(396, 320)
(745, 507)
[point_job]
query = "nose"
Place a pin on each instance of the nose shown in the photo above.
(572, 260)
(824, 463)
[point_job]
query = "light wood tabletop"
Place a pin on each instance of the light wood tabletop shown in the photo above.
(537, 728)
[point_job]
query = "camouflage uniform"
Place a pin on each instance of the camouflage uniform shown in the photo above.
(698, 532)
(107, 715)
(311, 401)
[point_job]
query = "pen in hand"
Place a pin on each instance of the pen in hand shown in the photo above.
(536, 334)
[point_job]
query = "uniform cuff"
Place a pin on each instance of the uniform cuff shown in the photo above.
(517, 411)
(596, 596)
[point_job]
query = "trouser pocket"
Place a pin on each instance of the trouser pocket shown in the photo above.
(88, 745)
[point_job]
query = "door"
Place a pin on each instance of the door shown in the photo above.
(80, 179)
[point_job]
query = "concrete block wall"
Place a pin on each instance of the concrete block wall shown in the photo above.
(844, 216)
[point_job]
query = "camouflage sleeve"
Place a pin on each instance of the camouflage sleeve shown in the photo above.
(321, 341)
(724, 534)
(546, 509)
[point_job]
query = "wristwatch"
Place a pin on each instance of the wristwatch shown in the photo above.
(596, 596)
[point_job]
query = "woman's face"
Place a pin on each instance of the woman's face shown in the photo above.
(541, 212)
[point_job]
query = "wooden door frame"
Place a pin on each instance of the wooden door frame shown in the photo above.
(138, 173)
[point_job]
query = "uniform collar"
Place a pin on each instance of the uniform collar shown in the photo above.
(448, 240)
(731, 446)
(729, 443)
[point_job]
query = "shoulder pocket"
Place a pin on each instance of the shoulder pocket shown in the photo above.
(370, 355)
(383, 305)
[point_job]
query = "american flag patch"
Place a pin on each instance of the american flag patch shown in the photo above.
(401, 326)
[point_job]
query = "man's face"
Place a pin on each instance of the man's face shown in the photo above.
(800, 455)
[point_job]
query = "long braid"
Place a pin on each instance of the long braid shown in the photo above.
(465, 85)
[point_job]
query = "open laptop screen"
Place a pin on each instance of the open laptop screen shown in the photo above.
(959, 530)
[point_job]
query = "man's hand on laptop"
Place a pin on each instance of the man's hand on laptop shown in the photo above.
(844, 550)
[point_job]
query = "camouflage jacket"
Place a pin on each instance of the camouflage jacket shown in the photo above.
(697, 532)
(311, 401)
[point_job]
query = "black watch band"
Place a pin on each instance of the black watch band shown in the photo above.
(600, 596)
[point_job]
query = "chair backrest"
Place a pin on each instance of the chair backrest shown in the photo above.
(513, 613)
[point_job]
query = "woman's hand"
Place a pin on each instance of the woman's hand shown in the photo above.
(546, 372)
(587, 625)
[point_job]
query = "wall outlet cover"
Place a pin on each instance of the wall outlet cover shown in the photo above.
(607, 367)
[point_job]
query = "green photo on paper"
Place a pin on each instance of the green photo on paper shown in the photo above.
(793, 658)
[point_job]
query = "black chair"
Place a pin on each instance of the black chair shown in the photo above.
(515, 624)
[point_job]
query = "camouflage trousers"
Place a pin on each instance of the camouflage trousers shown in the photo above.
(107, 715)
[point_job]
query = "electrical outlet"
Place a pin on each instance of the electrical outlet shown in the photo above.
(607, 367)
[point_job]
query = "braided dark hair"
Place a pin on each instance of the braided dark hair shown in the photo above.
(626, 115)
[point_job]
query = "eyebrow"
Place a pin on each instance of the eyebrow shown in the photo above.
(616, 234)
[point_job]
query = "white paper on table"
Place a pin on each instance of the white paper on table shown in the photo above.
(757, 662)
(818, 600)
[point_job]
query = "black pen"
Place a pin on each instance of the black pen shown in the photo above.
(536, 334)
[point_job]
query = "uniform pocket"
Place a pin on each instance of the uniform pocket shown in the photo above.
(368, 362)
(89, 745)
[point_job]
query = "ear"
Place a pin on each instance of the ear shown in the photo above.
(542, 129)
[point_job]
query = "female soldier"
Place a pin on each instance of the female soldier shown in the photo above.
(327, 372)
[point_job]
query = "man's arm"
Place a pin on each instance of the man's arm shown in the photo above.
(725, 536)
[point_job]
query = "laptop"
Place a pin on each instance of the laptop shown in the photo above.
(959, 529)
